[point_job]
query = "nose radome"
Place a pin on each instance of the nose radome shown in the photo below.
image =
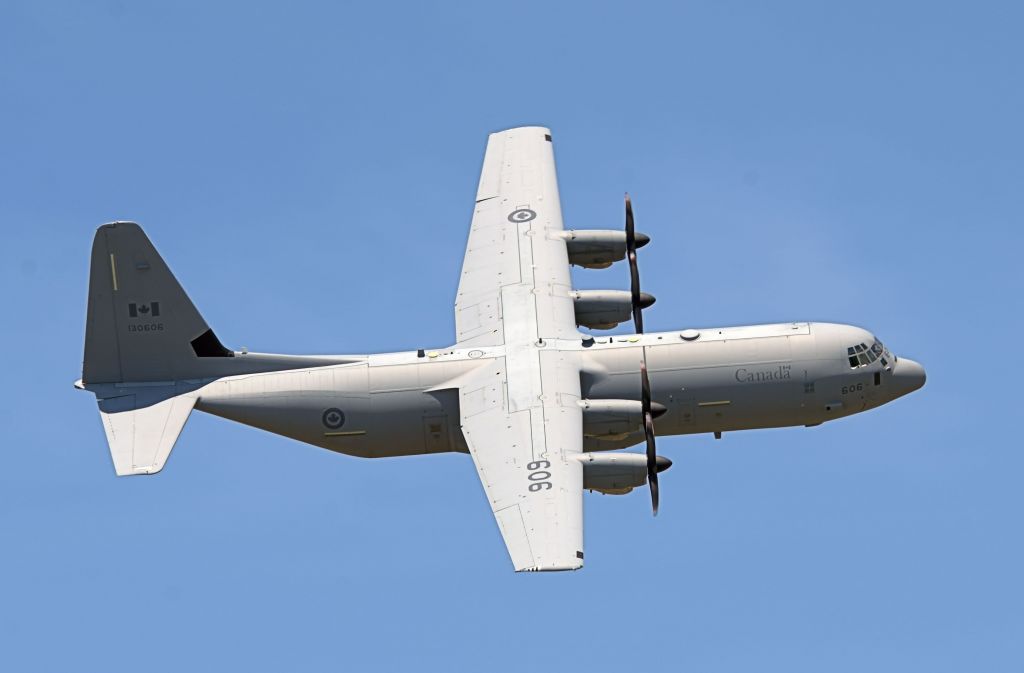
(908, 376)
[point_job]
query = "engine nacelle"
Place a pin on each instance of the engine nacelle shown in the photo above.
(598, 248)
(617, 473)
(615, 419)
(604, 309)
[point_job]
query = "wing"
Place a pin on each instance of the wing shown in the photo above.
(515, 276)
(520, 413)
(526, 458)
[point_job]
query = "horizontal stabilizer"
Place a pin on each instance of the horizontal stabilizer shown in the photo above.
(141, 439)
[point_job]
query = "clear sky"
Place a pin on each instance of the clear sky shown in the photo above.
(308, 172)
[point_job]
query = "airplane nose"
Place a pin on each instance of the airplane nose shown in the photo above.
(907, 376)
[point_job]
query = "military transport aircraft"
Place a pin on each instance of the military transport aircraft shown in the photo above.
(540, 406)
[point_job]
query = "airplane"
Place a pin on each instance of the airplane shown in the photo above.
(542, 408)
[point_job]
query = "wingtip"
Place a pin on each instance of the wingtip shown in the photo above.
(137, 470)
(525, 127)
(552, 568)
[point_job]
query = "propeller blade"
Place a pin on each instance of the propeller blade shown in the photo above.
(630, 230)
(634, 269)
(652, 462)
(638, 311)
(652, 454)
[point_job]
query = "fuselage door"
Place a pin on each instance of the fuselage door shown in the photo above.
(435, 433)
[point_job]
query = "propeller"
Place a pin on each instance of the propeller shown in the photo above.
(639, 304)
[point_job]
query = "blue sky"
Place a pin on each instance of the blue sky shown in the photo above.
(308, 172)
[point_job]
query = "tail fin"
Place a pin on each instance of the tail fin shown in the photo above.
(148, 352)
(143, 339)
(141, 324)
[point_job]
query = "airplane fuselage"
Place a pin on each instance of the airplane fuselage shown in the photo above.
(709, 381)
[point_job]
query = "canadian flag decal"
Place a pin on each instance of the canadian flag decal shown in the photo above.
(150, 310)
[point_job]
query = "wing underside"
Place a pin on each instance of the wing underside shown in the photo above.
(520, 413)
(515, 279)
(525, 456)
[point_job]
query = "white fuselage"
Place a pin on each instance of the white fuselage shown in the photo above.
(715, 380)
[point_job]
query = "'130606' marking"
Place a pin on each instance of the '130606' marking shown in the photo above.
(149, 327)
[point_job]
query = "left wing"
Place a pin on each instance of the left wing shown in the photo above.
(520, 412)
(526, 458)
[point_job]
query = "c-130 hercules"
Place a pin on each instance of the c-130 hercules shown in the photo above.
(540, 407)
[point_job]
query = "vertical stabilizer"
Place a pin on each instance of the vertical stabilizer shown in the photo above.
(148, 352)
(141, 325)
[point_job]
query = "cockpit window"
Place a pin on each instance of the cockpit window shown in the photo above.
(861, 355)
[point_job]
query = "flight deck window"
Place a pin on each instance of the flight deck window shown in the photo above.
(862, 355)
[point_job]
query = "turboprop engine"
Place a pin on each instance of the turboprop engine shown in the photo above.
(598, 248)
(604, 309)
(617, 473)
(615, 419)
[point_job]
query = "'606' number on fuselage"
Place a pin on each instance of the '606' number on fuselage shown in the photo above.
(539, 475)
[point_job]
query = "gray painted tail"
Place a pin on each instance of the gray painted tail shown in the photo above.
(148, 352)
(141, 325)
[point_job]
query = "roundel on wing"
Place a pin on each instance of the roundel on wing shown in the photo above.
(333, 418)
(521, 215)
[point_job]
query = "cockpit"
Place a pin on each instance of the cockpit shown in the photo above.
(862, 354)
